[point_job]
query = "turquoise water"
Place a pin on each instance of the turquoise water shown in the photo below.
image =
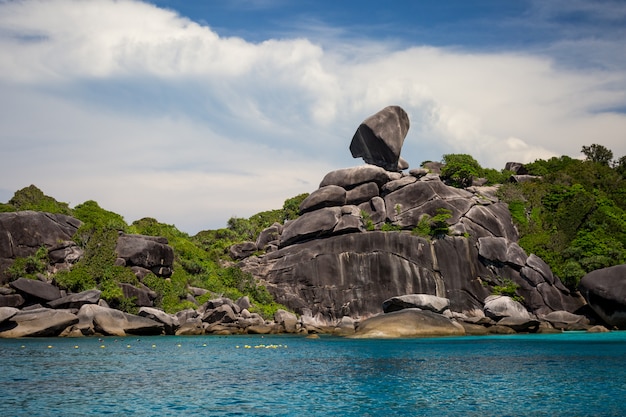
(570, 374)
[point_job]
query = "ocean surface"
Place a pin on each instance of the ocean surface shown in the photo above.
(569, 374)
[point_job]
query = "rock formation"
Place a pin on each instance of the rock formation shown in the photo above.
(605, 291)
(379, 139)
(360, 241)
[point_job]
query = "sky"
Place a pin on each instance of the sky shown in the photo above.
(196, 112)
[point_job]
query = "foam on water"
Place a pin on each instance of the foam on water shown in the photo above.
(564, 374)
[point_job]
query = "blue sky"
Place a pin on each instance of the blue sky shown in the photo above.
(194, 112)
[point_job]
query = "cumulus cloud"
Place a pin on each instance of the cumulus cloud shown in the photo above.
(152, 114)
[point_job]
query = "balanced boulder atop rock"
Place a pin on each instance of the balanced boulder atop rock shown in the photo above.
(379, 139)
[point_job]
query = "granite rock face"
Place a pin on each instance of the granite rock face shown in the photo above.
(605, 291)
(22, 233)
(335, 272)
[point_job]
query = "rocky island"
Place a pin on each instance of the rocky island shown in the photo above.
(375, 251)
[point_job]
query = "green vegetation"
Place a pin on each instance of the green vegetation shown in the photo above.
(30, 266)
(461, 169)
(574, 217)
(508, 288)
(199, 261)
(435, 226)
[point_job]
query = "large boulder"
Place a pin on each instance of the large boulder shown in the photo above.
(36, 289)
(148, 252)
(170, 322)
(408, 323)
(76, 300)
(348, 178)
(109, 321)
(500, 306)
(45, 322)
(22, 233)
(327, 196)
(421, 301)
(378, 140)
(7, 312)
(605, 291)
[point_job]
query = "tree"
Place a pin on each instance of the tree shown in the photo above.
(598, 153)
(460, 169)
(620, 166)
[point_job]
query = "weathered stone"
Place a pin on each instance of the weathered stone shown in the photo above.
(65, 252)
(392, 186)
(375, 209)
(408, 323)
(520, 324)
(268, 235)
(349, 178)
(516, 167)
(500, 306)
(44, 322)
(170, 322)
(221, 314)
(362, 193)
(379, 139)
(498, 329)
(113, 322)
(564, 319)
(286, 319)
(327, 196)
(421, 301)
(76, 300)
(605, 291)
(11, 300)
(37, 289)
(310, 225)
(7, 312)
(146, 251)
(598, 329)
(242, 250)
(140, 296)
(501, 250)
(244, 302)
(345, 327)
(190, 329)
(22, 233)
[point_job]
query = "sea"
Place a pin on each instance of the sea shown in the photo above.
(567, 374)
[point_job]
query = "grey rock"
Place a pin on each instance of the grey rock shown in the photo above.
(11, 300)
(349, 178)
(362, 193)
(43, 322)
(392, 186)
(242, 250)
(22, 233)
(378, 140)
(520, 324)
(76, 300)
(286, 319)
(65, 252)
(221, 314)
(421, 301)
(408, 323)
(605, 291)
(375, 209)
(327, 196)
(140, 296)
(7, 312)
(170, 322)
(113, 322)
(37, 289)
(500, 306)
(268, 235)
(517, 167)
(148, 252)
(310, 225)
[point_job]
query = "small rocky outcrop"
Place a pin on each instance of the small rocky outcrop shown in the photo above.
(605, 291)
(37, 322)
(108, 321)
(409, 322)
(378, 140)
(22, 233)
(149, 252)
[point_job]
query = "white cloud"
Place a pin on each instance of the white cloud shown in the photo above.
(151, 114)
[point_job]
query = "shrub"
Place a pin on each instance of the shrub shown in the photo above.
(29, 266)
